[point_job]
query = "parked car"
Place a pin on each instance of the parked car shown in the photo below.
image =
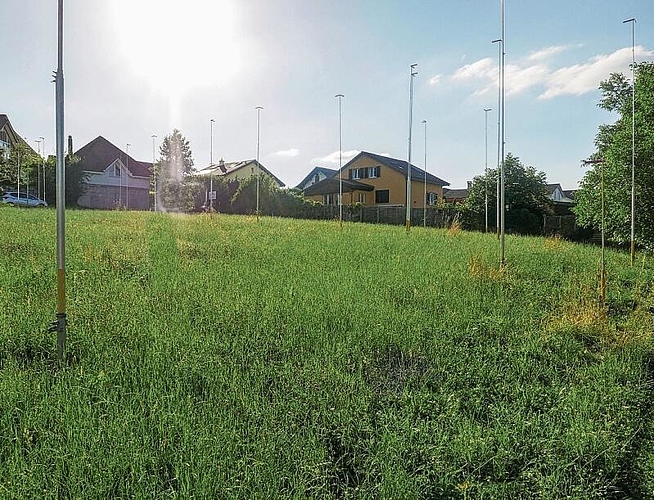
(25, 200)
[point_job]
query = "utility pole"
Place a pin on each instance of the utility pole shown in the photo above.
(258, 108)
(503, 141)
(60, 324)
(424, 203)
(211, 194)
(633, 137)
(340, 158)
(154, 173)
(413, 73)
(486, 110)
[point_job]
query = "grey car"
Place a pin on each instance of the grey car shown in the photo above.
(25, 200)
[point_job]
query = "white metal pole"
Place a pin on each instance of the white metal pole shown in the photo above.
(502, 180)
(424, 202)
(38, 171)
(412, 74)
(60, 324)
(499, 136)
(211, 171)
(127, 177)
(18, 178)
(340, 158)
(154, 173)
(43, 162)
(632, 21)
(258, 108)
(486, 110)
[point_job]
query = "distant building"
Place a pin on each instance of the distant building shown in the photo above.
(9, 138)
(316, 175)
(114, 179)
(376, 180)
(238, 170)
(558, 195)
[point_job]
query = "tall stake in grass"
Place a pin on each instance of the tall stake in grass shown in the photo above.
(60, 324)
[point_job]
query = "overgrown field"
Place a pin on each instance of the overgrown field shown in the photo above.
(218, 357)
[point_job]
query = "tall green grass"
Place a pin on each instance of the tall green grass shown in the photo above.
(218, 357)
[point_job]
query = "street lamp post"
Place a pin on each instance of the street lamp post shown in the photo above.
(60, 324)
(154, 173)
(258, 108)
(38, 171)
(412, 72)
(211, 171)
(340, 157)
(43, 161)
(486, 110)
(424, 210)
(503, 143)
(633, 138)
(127, 177)
(499, 136)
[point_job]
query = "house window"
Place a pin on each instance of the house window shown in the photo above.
(373, 172)
(330, 199)
(354, 173)
(361, 198)
(117, 172)
(431, 198)
(316, 178)
(382, 196)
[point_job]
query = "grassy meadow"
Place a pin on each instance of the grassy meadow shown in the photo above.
(218, 357)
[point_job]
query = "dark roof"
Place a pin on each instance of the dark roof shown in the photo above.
(455, 194)
(330, 185)
(98, 154)
(3, 120)
(417, 174)
(570, 193)
(328, 172)
(550, 188)
(227, 168)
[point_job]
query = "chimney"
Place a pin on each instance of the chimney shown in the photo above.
(70, 145)
(469, 184)
(221, 164)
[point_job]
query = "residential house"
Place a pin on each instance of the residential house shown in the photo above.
(114, 179)
(558, 195)
(316, 175)
(456, 195)
(238, 170)
(376, 180)
(9, 138)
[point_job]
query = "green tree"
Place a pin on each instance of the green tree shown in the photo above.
(244, 200)
(613, 142)
(525, 195)
(176, 182)
(20, 158)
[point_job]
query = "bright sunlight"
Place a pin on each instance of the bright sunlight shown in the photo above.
(178, 45)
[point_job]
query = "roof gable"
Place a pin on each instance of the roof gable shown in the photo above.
(327, 172)
(231, 167)
(99, 154)
(13, 136)
(417, 174)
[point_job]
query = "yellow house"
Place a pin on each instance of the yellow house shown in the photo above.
(238, 170)
(376, 180)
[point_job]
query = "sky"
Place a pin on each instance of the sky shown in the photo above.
(137, 68)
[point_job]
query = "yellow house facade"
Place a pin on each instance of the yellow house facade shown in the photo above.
(375, 180)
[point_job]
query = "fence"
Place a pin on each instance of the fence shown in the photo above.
(393, 215)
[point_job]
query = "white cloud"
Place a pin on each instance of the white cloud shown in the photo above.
(333, 158)
(289, 153)
(435, 80)
(582, 78)
(535, 71)
(547, 52)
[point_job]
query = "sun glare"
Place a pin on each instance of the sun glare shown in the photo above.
(178, 45)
